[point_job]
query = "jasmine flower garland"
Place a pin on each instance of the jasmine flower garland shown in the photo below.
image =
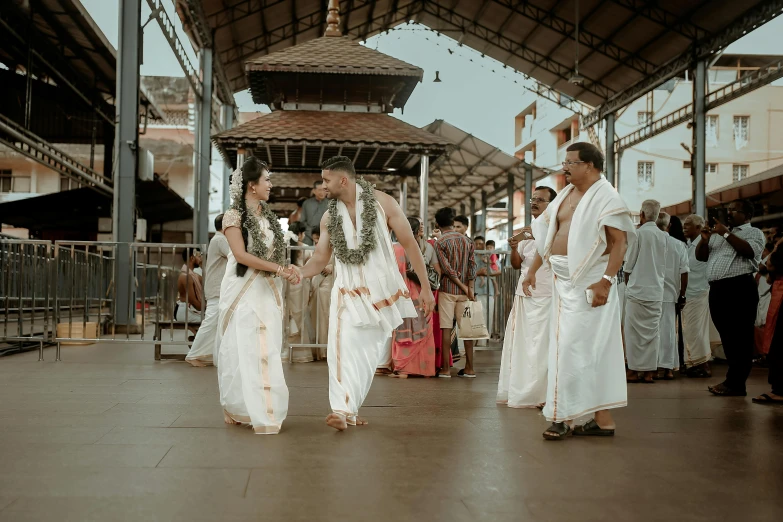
(259, 248)
(354, 256)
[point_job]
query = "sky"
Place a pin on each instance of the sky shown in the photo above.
(470, 96)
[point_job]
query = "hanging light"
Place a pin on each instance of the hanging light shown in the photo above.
(576, 78)
(437, 77)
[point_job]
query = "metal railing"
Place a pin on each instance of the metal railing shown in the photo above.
(302, 311)
(66, 293)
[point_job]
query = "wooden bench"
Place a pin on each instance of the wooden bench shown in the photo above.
(168, 325)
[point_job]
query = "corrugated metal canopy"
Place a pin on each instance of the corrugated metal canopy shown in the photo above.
(471, 167)
(621, 41)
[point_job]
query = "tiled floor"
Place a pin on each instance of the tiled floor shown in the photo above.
(108, 435)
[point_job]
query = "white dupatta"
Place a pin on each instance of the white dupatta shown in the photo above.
(374, 293)
(601, 206)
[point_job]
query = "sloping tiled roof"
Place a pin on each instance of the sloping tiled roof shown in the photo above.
(325, 127)
(338, 55)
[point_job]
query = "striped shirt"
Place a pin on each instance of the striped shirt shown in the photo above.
(456, 257)
(724, 262)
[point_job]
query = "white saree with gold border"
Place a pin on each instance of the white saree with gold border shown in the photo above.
(586, 364)
(368, 302)
(250, 337)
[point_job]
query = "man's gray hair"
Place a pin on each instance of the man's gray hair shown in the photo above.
(650, 209)
(695, 220)
(663, 221)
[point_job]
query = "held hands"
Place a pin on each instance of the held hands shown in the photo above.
(600, 292)
(528, 283)
(290, 274)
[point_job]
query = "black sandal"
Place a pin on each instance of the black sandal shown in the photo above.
(592, 429)
(698, 373)
(766, 398)
(558, 431)
(724, 391)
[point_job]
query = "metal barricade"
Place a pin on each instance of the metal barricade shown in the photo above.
(304, 309)
(85, 304)
(25, 291)
(498, 299)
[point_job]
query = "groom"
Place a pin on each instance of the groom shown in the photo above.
(369, 298)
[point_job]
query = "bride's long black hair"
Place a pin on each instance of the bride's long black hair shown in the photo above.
(252, 170)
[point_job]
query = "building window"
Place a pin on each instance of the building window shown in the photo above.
(645, 173)
(5, 180)
(643, 117)
(712, 131)
(712, 168)
(739, 172)
(741, 131)
(11, 183)
(564, 136)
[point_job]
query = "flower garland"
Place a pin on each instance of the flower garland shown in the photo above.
(258, 248)
(354, 256)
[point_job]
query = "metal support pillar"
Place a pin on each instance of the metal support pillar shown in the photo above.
(528, 194)
(700, 139)
(204, 148)
(228, 123)
(610, 168)
(472, 217)
(404, 195)
(462, 209)
(424, 196)
(483, 230)
(127, 132)
(510, 205)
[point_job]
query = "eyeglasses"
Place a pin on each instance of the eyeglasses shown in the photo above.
(570, 163)
(538, 200)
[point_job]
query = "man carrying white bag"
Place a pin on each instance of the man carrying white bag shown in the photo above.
(471, 323)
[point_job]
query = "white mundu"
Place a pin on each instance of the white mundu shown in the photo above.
(646, 264)
(523, 366)
(586, 367)
(250, 337)
(676, 265)
(696, 313)
(368, 302)
(204, 349)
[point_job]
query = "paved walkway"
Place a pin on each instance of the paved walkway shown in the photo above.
(108, 434)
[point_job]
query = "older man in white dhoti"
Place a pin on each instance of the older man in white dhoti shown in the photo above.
(524, 363)
(696, 312)
(583, 236)
(675, 284)
(370, 298)
(645, 270)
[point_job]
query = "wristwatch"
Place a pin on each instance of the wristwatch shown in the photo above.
(612, 279)
(726, 235)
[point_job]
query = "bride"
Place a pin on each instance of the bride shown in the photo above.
(250, 332)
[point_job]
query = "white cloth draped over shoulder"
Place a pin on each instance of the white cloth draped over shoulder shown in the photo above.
(250, 338)
(368, 302)
(586, 366)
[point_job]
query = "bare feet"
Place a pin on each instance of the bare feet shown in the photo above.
(197, 363)
(357, 421)
(399, 375)
(228, 420)
(337, 421)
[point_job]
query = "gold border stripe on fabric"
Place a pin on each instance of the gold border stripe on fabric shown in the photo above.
(239, 296)
(337, 339)
(265, 381)
(278, 299)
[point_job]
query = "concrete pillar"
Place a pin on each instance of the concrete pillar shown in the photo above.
(483, 229)
(472, 227)
(510, 204)
(528, 194)
(228, 123)
(424, 197)
(609, 160)
(700, 139)
(404, 195)
(126, 146)
(204, 148)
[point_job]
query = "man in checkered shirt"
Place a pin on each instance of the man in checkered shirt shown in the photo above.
(733, 256)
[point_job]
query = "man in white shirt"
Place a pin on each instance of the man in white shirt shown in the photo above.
(645, 269)
(204, 349)
(696, 314)
(524, 363)
(675, 284)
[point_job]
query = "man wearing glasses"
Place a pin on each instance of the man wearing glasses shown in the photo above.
(523, 366)
(582, 235)
(733, 256)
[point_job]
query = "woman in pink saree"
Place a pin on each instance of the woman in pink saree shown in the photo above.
(413, 344)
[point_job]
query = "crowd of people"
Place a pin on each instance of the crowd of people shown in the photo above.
(609, 304)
